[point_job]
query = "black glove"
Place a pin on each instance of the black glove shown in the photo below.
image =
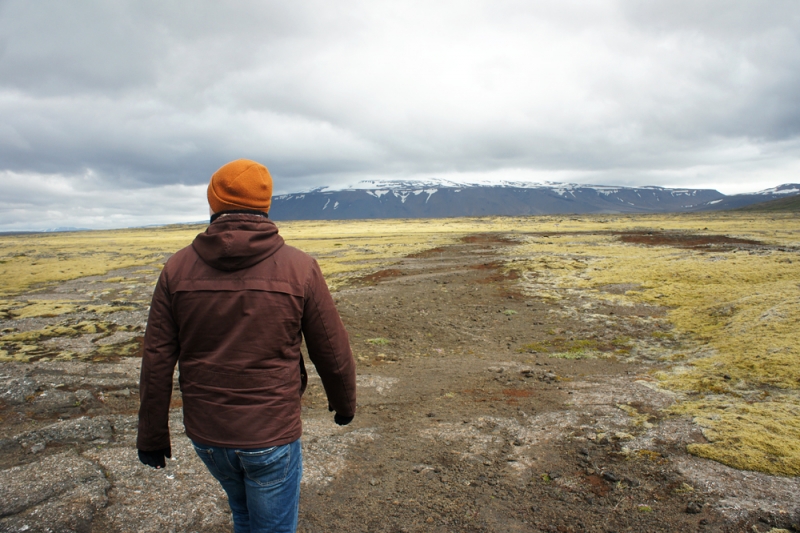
(342, 420)
(339, 419)
(155, 458)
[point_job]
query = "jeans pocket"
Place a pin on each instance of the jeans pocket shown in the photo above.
(207, 456)
(266, 467)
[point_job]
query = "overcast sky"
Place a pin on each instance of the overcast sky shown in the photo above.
(116, 113)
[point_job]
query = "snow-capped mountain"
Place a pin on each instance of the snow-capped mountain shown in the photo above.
(436, 199)
(741, 200)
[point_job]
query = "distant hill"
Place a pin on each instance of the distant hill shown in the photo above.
(438, 199)
(792, 203)
(743, 200)
(63, 229)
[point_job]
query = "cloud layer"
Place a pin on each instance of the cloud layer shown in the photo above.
(145, 99)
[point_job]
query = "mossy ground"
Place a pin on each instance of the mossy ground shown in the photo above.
(460, 426)
(31, 261)
(734, 307)
(30, 346)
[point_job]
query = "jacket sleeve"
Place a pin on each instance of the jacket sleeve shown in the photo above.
(328, 345)
(159, 355)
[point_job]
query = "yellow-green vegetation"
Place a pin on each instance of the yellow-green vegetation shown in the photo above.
(32, 263)
(650, 455)
(563, 348)
(575, 349)
(379, 341)
(736, 310)
(52, 308)
(763, 434)
(580, 354)
(21, 309)
(124, 349)
(639, 419)
(534, 347)
(59, 330)
(28, 261)
(26, 346)
(352, 248)
(347, 249)
(344, 249)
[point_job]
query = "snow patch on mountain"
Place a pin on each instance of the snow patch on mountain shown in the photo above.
(789, 189)
(402, 189)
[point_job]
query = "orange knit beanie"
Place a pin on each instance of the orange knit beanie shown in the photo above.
(241, 184)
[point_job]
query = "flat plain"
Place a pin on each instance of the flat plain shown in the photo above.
(563, 373)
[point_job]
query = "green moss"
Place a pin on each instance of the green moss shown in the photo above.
(650, 455)
(760, 436)
(735, 314)
(65, 330)
(639, 419)
(48, 308)
(125, 349)
(53, 308)
(621, 342)
(535, 347)
(575, 354)
(582, 345)
(26, 346)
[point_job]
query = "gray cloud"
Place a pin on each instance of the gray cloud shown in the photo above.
(144, 95)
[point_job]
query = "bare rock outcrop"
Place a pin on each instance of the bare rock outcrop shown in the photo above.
(60, 493)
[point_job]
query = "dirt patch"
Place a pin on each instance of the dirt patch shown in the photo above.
(489, 238)
(685, 240)
(498, 277)
(426, 254)
(380, 275)
(490, 266)
(597, 485)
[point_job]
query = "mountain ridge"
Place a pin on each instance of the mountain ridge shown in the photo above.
(443, 198)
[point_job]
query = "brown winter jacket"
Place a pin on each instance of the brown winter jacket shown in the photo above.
(231, 310)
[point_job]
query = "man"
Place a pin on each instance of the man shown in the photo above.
(232, 310)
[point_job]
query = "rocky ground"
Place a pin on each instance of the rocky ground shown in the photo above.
(466, 421)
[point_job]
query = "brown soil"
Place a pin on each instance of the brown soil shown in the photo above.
(684, 240)
(481, 430)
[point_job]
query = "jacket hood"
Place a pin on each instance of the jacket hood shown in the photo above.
(233, 242)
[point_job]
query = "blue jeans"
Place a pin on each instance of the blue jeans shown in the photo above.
(263, 485)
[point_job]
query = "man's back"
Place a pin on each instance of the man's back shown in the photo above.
(237, 301)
